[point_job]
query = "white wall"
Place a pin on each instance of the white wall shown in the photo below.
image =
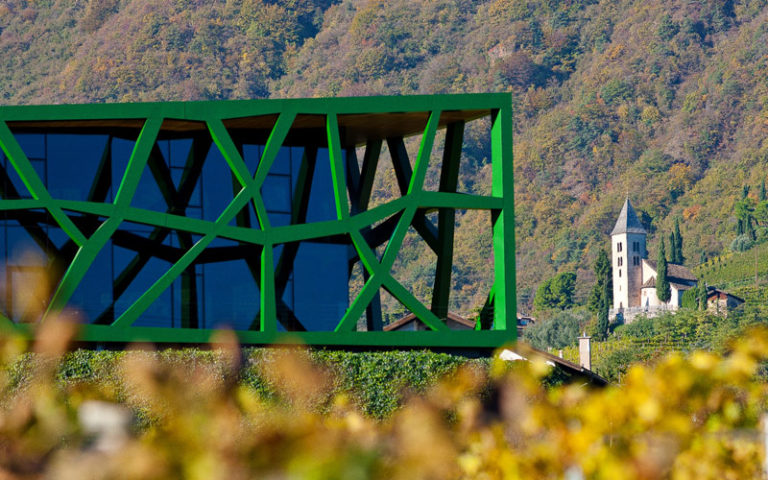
(626, 286)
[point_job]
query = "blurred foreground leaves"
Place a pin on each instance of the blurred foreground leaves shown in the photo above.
(695, 416)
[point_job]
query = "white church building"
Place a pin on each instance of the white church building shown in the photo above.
(634, 276)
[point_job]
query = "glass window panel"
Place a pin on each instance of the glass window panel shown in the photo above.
(164, 147)
(179, 151)
(57, 236)
(279, 219)
(33, 144)
(73, 164)
(276, 192)
(21, 245)
(231, 295)
(217, 185)
(252, 156)
(322, 205)
(40, 168)
(15, 185)
(181, 299)
(320, 285)
(93, 296)
(282, 163)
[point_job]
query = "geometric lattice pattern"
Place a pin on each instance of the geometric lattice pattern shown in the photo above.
(251, 137)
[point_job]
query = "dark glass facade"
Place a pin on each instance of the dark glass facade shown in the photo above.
(185, 176)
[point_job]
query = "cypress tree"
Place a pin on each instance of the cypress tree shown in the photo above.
(678, 258)
(762, 196)
(750, 229)
(663, 290)
(672, 248)
(603, 278)
(602, 315)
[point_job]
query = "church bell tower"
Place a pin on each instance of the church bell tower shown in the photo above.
(627, 253)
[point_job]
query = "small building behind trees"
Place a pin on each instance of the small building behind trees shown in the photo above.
(721, 302)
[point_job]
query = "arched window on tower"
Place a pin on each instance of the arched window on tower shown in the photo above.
(618, 247)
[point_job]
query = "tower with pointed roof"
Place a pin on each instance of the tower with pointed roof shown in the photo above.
(628, 251)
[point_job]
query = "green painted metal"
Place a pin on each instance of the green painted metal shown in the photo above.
(352, 187)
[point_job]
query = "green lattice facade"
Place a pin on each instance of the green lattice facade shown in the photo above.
(165, 221)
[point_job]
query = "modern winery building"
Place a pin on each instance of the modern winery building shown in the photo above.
(167, 221)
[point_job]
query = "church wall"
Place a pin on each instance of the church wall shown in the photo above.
(648, 272)
(628, 250)
(649, 298)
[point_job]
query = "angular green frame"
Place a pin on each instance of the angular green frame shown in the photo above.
(351, 220)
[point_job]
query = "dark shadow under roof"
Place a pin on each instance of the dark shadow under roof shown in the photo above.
(355, 129)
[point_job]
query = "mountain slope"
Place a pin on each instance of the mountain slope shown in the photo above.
(664, 101)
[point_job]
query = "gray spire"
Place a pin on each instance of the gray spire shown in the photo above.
(628, 221)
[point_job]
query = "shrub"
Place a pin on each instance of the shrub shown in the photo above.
(742, 243)
(559, 331)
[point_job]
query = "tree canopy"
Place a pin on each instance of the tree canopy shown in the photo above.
(557, 292)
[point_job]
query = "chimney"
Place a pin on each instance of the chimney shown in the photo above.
(585, 351)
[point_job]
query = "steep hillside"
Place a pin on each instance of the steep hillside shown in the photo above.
(666, 101)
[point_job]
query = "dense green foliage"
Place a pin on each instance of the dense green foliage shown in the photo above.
(646, 340)
(695, 298)
(603, 281)
(557, 292)
(676, 244)
(560, 330)
(601, 328)
(378, 382)
(663, 290)
(664, 100)
(736, 269)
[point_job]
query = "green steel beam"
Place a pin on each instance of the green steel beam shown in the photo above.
(337, 168)
(505, 311)
(446, 218)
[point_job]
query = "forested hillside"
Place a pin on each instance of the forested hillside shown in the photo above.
(666, 101)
